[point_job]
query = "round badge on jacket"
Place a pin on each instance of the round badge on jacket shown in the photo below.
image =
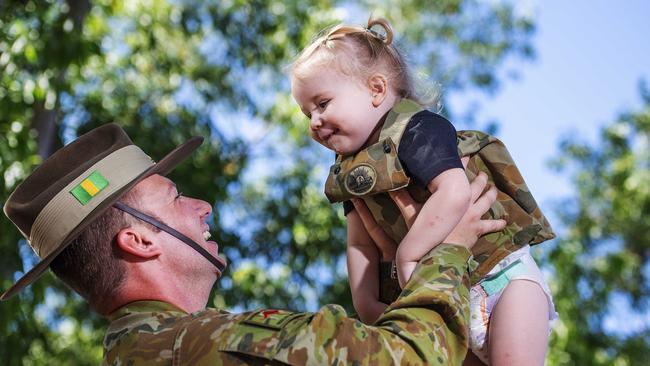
(361, 180)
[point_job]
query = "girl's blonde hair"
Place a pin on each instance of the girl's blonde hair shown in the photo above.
(366, 51)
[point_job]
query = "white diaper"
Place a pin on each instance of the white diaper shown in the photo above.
(485, 295)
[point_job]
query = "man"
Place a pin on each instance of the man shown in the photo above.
(102, 215)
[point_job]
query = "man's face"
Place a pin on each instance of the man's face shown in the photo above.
(159, 197)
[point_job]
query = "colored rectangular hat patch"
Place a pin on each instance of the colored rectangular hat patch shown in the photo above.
(89, 187)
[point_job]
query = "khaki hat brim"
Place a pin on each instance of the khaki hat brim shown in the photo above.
(163, 167)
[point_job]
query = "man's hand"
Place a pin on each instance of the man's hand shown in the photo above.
(471, 226)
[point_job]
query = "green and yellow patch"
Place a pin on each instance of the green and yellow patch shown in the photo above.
(89, 187)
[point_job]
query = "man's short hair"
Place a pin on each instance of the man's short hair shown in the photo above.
(91, 265)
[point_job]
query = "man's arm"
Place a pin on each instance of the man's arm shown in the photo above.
(426, 325)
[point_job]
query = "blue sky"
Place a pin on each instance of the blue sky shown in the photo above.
(590, 58)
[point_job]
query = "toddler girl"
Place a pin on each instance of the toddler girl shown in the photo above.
(355, 89)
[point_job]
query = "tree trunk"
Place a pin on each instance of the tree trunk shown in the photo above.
(44, 121)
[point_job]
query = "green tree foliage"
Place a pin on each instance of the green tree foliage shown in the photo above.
(167, 70)
(602, 260)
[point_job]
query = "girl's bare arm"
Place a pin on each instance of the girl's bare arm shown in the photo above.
(439, 215)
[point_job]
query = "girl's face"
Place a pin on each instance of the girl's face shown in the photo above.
(339, 107)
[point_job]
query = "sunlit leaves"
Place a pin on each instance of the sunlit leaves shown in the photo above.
(168, 70)
(604, 255)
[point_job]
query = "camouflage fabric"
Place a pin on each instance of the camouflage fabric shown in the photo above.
(426, 325)
(385, 173)
(515, 203)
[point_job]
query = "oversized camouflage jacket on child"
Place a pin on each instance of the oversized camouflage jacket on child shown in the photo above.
(376, 170)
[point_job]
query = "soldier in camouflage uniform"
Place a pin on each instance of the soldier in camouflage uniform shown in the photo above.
(100, 213)
(354, 87)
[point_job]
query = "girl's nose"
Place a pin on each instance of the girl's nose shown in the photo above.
(315, 122)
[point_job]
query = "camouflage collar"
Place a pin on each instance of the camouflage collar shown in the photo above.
(144, 306)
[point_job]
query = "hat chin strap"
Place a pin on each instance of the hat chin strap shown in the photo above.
(133, 212)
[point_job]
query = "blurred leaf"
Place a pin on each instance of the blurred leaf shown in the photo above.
(602, 260)
(168, 70)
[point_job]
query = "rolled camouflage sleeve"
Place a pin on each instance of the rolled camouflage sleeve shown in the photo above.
(426, 325)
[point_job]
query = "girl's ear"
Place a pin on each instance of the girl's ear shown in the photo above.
(378, 85)
(136, 243)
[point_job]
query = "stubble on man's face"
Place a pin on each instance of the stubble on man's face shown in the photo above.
(159, 198)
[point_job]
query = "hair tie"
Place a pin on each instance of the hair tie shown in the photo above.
(387, 36)
(377, 35)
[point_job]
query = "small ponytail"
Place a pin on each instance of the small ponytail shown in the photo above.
(387, 37)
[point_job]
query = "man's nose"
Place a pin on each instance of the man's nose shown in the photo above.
(202, 207)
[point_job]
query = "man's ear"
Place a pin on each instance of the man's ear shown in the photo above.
(135, 242)
(378, 85)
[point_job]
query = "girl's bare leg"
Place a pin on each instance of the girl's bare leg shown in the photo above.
(519, 326)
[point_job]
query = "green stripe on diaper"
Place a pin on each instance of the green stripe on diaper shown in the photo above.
(500, 280)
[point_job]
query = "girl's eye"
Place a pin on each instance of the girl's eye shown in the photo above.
(323, 103)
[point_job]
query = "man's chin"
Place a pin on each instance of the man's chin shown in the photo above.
(221, 260)
(213, 249)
